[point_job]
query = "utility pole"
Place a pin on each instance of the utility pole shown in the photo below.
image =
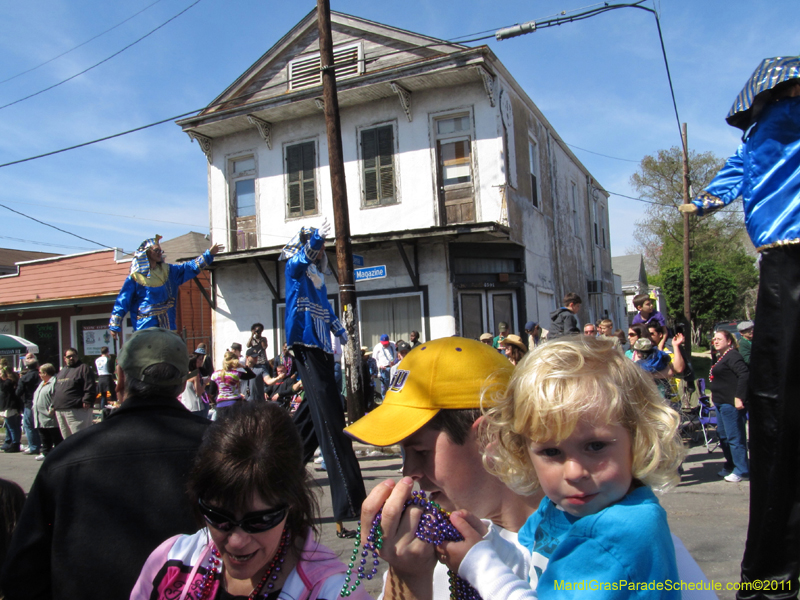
(356, 406)
(686, 290)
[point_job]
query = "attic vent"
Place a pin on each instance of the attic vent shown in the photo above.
(305, 72)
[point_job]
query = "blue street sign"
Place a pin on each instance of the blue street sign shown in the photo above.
(378, 272)
(358, 260)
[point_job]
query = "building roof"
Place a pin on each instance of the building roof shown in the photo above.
(185, 247)
(10, 257)
(72, 276)
(53, 279)
(631, 270)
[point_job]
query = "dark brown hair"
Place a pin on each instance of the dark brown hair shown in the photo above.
(572, 298)
(456, 423)
(254, 448)
(638, 300)
(642, 331)
(12, 497)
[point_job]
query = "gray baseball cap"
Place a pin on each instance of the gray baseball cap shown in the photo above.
(151, 347)
(744, 325)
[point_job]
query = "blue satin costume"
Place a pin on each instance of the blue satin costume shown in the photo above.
(151, 299)
(765, 172)
(309, 316)
(320, 417)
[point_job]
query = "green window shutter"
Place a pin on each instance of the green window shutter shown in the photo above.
(293, 169)
(377, 148)
(386, 164)
(300, 169)
(369, 149)
(309, 185)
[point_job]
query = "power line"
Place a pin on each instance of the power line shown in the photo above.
(79, 45)
(372, 58)
(13, 239)
(55, 85)
(57, 228)
(603, 155)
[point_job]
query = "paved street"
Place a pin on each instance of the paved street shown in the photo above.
(708, 514)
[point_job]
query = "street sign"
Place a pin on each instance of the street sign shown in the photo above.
(378, 272)
(358, 260)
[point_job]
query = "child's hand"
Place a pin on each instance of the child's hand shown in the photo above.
(473, 530)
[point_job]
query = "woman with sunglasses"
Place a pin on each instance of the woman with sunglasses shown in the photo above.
(635, 333)
(250, 488)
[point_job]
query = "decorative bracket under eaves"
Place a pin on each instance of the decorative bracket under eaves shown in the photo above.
(264, 129)
(488, 82)
(204, 141)
(320, 103)
(405, 97)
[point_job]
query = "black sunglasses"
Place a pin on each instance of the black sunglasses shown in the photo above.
(254, 522)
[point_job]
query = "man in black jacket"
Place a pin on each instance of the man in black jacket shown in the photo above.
(74, 395)
(28, 382)
(106, 497)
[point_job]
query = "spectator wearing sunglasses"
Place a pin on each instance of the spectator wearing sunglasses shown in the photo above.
(250, 490)
(106, 496)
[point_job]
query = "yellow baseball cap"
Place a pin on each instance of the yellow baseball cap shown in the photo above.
(448, 373)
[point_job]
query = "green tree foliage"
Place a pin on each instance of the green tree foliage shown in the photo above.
(720, 238)
(713, 293)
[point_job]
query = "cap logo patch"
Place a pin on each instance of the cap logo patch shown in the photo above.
(399, 380)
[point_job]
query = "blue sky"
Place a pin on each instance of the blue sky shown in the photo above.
(600, 82)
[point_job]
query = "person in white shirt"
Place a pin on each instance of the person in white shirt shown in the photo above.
(385, 355)
(106, 386)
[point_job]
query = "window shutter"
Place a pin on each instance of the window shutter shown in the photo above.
(346, 62)
(306, 72)
(377, 149)
(369, 149)
(309, 187)
(386, 150)
(294, 164)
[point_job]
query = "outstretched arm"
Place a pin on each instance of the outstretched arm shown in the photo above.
(723, 189)
(189, 270)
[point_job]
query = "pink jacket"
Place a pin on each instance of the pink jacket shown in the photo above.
(318, 575)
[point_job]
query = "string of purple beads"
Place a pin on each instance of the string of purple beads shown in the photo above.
(434, 528)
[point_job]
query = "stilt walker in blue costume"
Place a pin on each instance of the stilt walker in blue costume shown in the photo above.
(150, 290)
(320, 417)
(765, 172)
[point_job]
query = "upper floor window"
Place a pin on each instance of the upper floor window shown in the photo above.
(305, 71)
(454, 145)
(301, 162)
(377, 151)
(243, 202)
(533, 157)
(454, 168)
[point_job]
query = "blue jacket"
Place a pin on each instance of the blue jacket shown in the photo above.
(765, 172)
(151, 300)
(309, 316)
(628, 541)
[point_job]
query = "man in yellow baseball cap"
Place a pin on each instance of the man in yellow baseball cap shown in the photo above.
(432, 409)
(445, 374)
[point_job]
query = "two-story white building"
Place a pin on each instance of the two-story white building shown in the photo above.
(466, 208)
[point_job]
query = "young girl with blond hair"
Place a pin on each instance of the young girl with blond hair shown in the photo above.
(588, 427)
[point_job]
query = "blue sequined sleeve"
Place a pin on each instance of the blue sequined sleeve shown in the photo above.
(725, 187)
(189, 270)
(122, 305)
